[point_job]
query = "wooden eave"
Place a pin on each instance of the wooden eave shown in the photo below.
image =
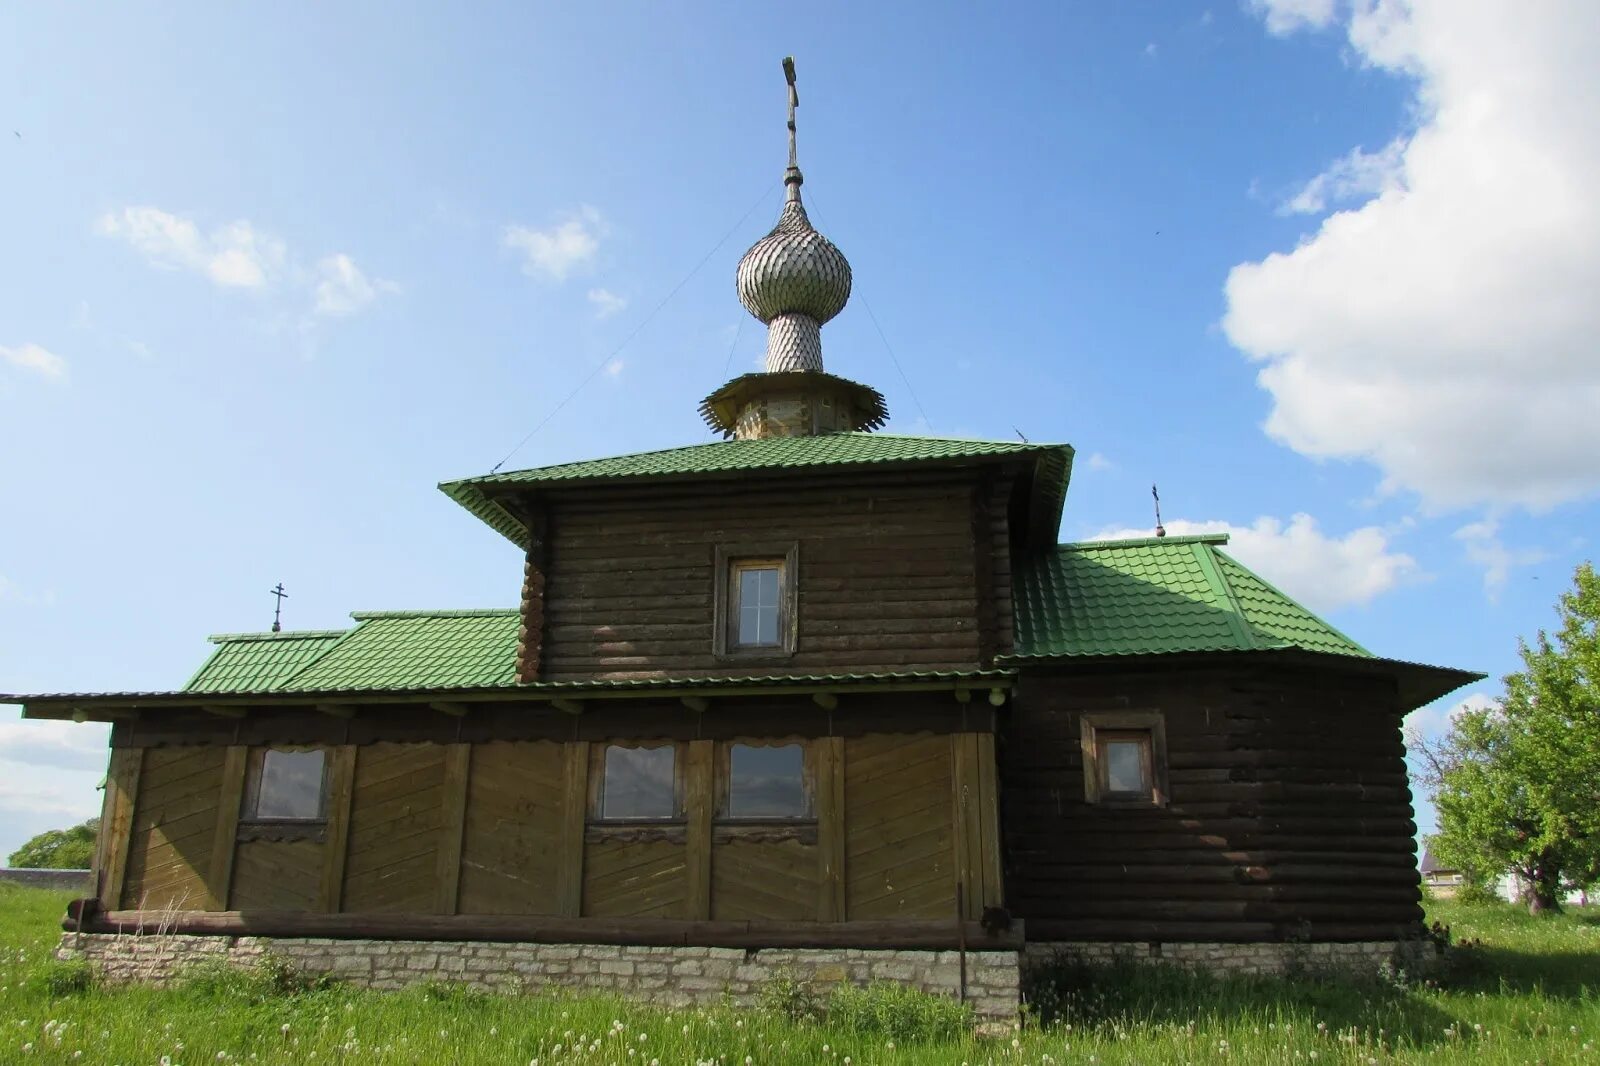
(568, 697)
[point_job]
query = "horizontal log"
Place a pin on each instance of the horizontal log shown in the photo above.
(650, 932)
(1041, 930)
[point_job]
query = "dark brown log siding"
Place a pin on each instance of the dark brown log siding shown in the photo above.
(887, 575)
(1290, 815)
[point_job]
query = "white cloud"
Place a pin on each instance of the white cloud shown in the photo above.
(1435, 719)
(342, 289)
(1323, 572)
(58, 745)
(1444, 329)
(236, 255)
(606, 303)
(553, 253)
(1358, 176)
(35, 360)
(614, 368)
(241, 256)
(1097, 462)
(1483, 546)
(1285, 16)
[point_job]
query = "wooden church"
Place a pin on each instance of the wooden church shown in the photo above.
(810, 696)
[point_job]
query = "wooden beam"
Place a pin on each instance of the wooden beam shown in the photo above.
(341, 789)
(454, 710)
(222, 711)
(453, 823)
(337, 710)
(826, 700)
(698, 774)
(567, 705)
(574, 817)
(122, 782)
(935, 934)
(989, 858)
(830, 829)
(698, 704)
(964, 820)
(224, 837)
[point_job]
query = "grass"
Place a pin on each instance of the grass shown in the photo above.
(1529, 992)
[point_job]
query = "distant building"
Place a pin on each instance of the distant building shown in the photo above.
(1442, 881)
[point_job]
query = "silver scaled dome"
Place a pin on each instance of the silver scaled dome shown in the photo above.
(794, 279)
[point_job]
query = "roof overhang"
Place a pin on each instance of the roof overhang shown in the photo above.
(1415, 683)
(569, 696)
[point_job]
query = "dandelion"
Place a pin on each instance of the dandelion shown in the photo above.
(284, 1028)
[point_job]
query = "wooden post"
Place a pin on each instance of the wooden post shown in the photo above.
(989, 858)
(341, 788)
(964, 837)
(575, 816)
(830, 829)
(697, 843)
(224, 842)
(122, 786)
(452, 825)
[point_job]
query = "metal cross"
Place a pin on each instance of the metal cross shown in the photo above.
(794, 101)
(277, 608)
(1161, 530)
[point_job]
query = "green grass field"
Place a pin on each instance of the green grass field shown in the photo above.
(1529, 994)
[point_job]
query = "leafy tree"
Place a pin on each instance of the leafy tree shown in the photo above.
(1517, 785)
(58, 849)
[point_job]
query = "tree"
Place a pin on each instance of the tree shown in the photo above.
(1517, 785)
(58, 849)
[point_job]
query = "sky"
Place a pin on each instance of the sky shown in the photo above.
(1323, 270)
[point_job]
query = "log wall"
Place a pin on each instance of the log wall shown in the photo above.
(1290, 815)
(888, 576)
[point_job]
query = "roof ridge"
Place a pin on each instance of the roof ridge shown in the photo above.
(1205, 555)
(1138, 542)
(458, 612)
(288, 634)
(1313, 615)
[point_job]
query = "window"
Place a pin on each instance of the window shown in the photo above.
(638, 784)
(755, 600)
(767, 782)
(1125, 759)
(287, 786)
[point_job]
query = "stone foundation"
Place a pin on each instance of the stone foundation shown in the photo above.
(666, 976)
(1357, 959)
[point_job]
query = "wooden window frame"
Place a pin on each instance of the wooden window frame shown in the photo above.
(599, 827)
(722, 813)
(727, 557)
(249, 820)
(1098, 728)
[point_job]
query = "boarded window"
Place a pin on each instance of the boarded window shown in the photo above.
(767, 782)
(639, 783)
(287, 786)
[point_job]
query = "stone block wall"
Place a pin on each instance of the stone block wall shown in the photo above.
(1356, 958)
(666, 976)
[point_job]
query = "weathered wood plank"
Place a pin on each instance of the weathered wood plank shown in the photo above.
(574, 811)
(219, 878)
(336, 847)
(122, 795)
(698, 851)
(452, 826)
(830, 828)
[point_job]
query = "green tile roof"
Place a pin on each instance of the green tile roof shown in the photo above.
(1053, 464)
(249, 661)
(1156, 596)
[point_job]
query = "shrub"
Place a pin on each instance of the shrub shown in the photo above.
(787, 995)
(272, 977)
(897, 1012)
(66, 978)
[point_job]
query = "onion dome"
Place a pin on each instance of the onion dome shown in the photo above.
(794, 279)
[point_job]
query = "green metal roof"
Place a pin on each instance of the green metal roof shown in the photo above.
(259, 660)
(1053, 464)
(1156, 596)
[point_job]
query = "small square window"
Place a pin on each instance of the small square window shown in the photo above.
(638, 784)
(755, 601)
(1124, 759)
(287, 786)
(767, 782)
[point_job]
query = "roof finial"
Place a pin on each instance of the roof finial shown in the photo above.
(792, 177)
(277, 608)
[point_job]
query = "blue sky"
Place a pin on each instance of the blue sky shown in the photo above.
(1323, 270)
